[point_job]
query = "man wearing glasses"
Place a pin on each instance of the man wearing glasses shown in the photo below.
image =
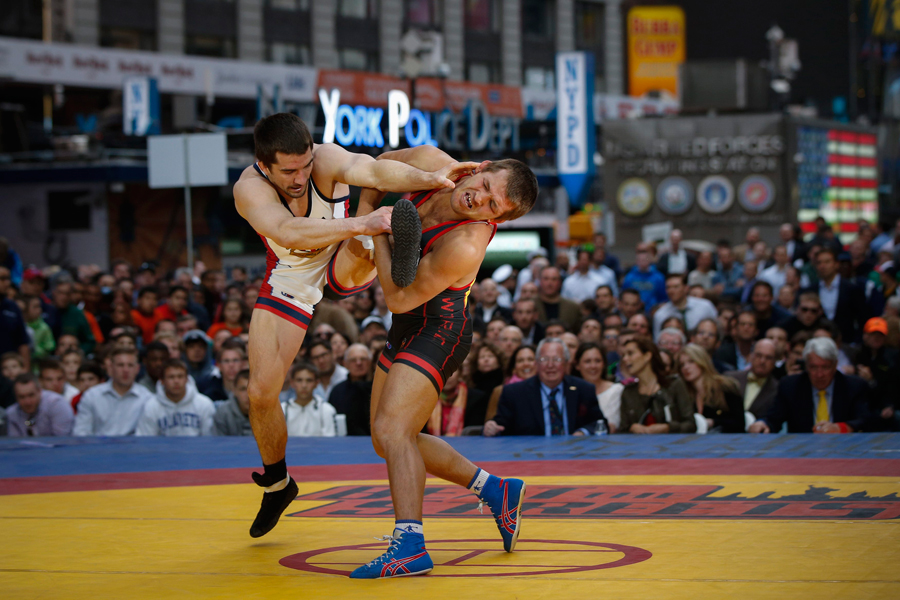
(38, 413)
(808, 317)
(566, 405)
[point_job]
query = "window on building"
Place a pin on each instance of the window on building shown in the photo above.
(358, 9)
(539, 18)
(589, 25)
(289, 4)
(482, 72)
(539, 78)
(589, 35)
(289, 54)
(423, 13)
(483, 16)
(357, 60)
(210, 45)
(129, 39)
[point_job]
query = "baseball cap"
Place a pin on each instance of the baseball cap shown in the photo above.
(537, 252)
(32, 273)
(502, 273)
(876, 324)
(370, 320)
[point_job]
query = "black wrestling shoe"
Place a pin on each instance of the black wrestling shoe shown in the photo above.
(273, 504)
(407, 230)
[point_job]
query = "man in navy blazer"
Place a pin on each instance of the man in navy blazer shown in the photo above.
(525, 408)
(820, 400)
(842, 301)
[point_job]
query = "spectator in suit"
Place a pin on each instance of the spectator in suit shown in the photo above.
(789, 239)
(707, 336)
(352, 396)
(676, 260)
(688, 309)
(652, 402)
(488, 307)
(820, 400)
(716, 397)
(550, 304)
(758, 385)
(37, 412)
(525, 317)
(842, 302)
(550, 403)
(737, 352)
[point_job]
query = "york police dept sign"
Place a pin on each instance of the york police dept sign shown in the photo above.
(473, 129)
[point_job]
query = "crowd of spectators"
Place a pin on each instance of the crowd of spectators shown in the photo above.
(799, 336)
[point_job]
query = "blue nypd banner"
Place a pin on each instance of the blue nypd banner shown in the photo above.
(140, 111)
(575, 132)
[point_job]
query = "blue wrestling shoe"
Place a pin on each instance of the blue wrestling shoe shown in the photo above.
(504, 497)
(405, 556)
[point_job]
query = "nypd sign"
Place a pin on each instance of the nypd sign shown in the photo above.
(576, 137)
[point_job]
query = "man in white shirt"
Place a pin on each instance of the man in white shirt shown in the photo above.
(305, 414)
(581, 284)
(689, 309)
(777, 273)
(329, 372)
(178, 409)
(113, 407)
(675, 260)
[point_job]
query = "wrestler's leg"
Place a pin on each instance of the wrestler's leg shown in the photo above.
(439, 457)
(274, 342)
(351, 268)
(272, 347)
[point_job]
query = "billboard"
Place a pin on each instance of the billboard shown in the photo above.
(656, 47)
(711, 176)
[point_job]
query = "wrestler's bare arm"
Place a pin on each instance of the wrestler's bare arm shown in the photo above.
(429, 159)
(459, 255)
(258, 203)
(337, 164)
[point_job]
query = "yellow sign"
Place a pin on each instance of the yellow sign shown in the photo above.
(656, 46)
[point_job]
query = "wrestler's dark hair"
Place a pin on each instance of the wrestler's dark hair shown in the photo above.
(281, 132)
(521, 185)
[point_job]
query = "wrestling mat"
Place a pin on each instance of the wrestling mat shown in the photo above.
(615, 517)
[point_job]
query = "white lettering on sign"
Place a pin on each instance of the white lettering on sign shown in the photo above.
(398, 115)
(571, 106)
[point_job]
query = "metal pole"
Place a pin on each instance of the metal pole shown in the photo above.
(187, 206)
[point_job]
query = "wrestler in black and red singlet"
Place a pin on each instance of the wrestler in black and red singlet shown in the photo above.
(433, 338)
